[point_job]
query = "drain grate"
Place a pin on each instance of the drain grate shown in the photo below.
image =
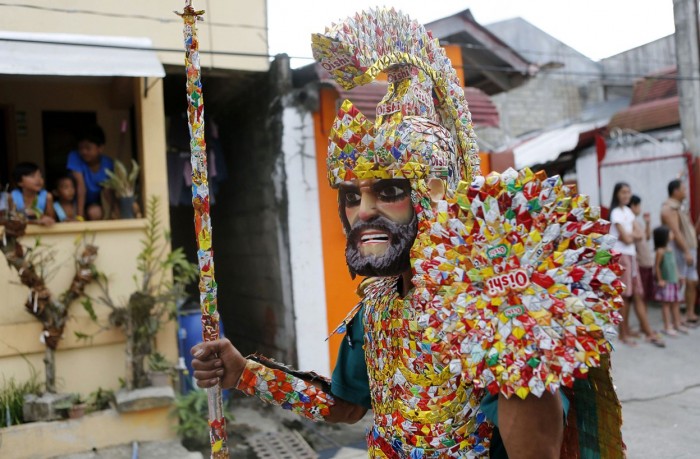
(281, 445)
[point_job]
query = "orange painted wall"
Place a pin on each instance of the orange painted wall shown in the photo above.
(454, 52)
(485, 162)
(340, 288)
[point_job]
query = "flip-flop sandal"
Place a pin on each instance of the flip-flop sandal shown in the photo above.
(670, 332)
(628, 342)
(656, 341)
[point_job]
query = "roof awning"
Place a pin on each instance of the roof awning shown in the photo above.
(24, 53)
(549, 145)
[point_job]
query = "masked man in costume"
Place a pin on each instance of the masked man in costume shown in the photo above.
(489, 302)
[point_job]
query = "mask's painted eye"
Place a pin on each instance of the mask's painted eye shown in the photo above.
(351, 199)
(392, 190)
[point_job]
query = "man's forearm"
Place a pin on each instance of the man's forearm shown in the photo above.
(307, 398)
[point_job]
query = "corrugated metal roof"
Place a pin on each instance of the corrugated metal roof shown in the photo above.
(484, 111)
(23, 53)
(648, 116)
(650, 88)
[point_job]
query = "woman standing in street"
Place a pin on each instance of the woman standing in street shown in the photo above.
(623, 228)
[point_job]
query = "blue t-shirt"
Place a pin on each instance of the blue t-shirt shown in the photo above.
(39, 204)
(92, 179)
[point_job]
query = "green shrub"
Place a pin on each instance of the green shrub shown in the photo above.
(12, 398)
(192, 413)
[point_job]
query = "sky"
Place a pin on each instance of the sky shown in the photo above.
(596, 28)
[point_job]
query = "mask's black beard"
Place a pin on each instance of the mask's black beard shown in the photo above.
(397, 257)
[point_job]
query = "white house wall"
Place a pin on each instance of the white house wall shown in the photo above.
(587, 175)
(305, 242)
(647, 167)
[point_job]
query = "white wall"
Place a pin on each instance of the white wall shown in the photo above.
(305, 242)
(647, 166)
(587, 175)
(229, 25)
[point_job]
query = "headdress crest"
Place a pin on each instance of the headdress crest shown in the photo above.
(423, 123)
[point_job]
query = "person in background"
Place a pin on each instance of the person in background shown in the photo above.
(3, 201)
(65, 206)
(684, 244)
(645, 260)
(668, 291)
(622, 227)
(89, 165)
(30, 198)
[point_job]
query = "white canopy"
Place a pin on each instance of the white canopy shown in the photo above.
(23, 53)
(548, 145)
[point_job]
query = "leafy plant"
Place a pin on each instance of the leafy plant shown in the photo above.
(12, 398)
(101, 399)
(122, 181)
(160, 283)
(191, 411)
(67, 404)
(158, 362)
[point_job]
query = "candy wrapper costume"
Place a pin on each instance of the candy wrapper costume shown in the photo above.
(515, 289)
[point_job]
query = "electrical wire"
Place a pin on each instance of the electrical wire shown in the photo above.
(489, 68)
(553, 54)
(125, 16)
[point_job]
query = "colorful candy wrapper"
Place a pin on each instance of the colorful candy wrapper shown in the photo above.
(200, 202)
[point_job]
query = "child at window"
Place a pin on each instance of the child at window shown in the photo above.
(64, 205)
(3, 202)
(88, 165)
(668, 291)
(30, 198)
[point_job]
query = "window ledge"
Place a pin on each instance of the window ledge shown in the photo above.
(81, 227)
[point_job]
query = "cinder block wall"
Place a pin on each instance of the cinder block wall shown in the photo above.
(250, 222)
(541, 102)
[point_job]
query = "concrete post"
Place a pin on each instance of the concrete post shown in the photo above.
(685, 13)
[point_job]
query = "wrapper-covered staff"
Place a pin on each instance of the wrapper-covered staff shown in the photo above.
(202, 221)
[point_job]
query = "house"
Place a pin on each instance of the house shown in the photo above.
(559, 119)
(567, 82)
(120, 64)
(44, 99)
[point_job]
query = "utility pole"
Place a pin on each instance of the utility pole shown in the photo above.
(685, 13)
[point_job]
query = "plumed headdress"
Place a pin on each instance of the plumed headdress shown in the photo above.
(423, 125)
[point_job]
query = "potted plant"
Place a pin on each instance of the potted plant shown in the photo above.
(159, 370)
(77, 410)
(123, 183)
(72, 407)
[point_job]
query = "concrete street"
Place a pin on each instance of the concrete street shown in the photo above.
(660, 394)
